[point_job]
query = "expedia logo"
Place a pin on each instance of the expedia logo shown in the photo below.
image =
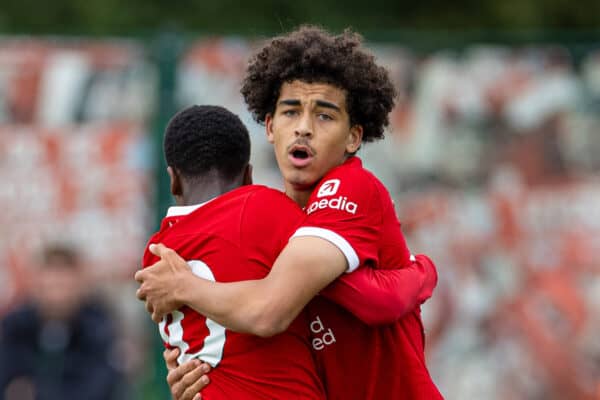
(337, 203)
(328, 188)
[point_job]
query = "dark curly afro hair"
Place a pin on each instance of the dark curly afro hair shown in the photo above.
(311, 54)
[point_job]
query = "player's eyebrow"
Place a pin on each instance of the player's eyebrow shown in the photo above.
(289, 102)
(326, 104)
(319, 103)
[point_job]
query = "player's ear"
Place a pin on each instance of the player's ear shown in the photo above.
(269, 127)
(354, 139)
(174, 176)
(247, 175)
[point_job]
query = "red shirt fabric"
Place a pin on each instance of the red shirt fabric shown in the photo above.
(352, 209)
(383, 296)
(234, 237)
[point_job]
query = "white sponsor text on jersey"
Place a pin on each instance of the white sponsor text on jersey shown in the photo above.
(337, 203)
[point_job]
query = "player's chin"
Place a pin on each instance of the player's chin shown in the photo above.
(302, 182)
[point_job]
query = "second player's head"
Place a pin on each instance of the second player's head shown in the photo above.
(206, 144)
(320, 96)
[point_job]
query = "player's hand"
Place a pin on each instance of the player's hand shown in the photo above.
(187, 380)
(160, 282)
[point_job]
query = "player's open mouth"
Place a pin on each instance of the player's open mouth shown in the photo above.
(300, 155)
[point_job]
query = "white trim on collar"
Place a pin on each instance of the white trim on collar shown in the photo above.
(176, 211)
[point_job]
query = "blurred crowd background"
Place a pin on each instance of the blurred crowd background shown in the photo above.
(491, 158)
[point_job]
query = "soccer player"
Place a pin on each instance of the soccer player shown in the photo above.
(224, 227)
(320, 96)
(221, 220)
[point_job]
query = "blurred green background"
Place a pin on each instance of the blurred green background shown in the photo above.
(377, 17)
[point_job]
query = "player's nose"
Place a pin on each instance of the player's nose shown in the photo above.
(304, 127)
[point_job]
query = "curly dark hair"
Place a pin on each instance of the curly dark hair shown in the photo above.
(199, 139)
(313, 55)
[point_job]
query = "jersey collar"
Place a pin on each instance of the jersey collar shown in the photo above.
(177, 211)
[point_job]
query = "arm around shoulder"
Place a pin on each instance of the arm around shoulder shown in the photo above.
(382, 296)
(267, 306)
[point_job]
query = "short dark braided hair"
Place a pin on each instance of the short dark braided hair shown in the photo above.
(312, 55)
(200, 139)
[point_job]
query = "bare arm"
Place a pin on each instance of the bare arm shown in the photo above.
(262, 307)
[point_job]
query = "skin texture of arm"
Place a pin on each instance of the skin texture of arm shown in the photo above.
(382, 296)
(185, 380)
(261, 307)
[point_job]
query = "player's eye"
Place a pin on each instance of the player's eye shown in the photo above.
(324, 117)
(290, 112)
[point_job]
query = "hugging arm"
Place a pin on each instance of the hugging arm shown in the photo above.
(382, 296)
(262, 307)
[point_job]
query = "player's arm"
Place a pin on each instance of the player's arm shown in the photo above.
(382, 296)
(262, 307)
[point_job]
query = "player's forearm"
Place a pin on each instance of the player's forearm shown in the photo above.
(378, 296)
(382, 296)
(252, 306)
(236, 305)
(267, 306)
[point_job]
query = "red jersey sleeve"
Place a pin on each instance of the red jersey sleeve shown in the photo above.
(392, 293)
(148, 258)
(346, 210)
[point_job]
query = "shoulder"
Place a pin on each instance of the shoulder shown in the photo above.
(270, 215)
(267, 193)
(20, 320)
(351, 174)
(347, 187)
(271, 201)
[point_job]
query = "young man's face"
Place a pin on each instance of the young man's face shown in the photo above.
(310, 132)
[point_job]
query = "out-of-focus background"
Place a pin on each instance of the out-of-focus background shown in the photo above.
(492, 158)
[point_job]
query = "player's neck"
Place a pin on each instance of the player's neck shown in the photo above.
(300, 196)
(203, 191)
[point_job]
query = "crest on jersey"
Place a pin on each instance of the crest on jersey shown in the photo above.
(328, 188)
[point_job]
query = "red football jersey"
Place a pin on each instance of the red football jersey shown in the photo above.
(352, 209)
(234, 237)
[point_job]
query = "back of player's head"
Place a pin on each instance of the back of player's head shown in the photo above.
(313, 55)
(203, 139)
